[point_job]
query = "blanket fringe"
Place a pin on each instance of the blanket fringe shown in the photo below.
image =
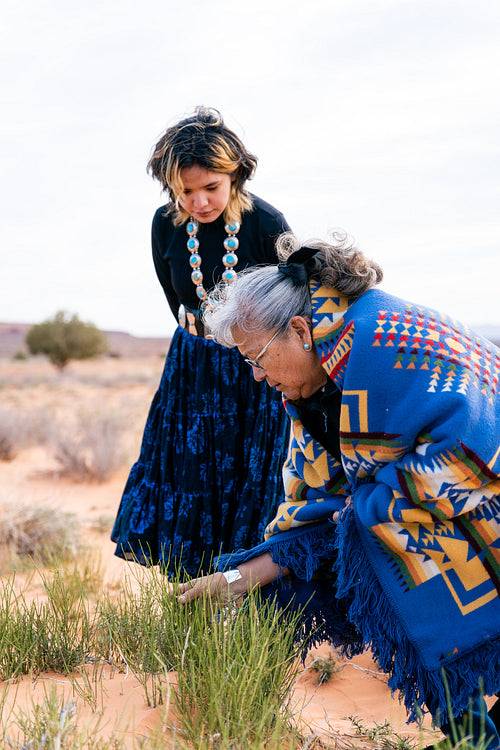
(308, 552)
(303, 550)
(322, 617)
(421, 689)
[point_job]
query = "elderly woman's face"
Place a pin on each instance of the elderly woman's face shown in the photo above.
(290, 363)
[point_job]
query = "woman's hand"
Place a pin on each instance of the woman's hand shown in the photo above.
(214, 586)
(336, 515)
(255, 572)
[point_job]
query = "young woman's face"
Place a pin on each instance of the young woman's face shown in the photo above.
(205, 194)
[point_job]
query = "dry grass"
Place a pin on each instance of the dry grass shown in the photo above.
(19, 429)
(90, 446)
(89, 418)
(106, 373)
(35, 533)
(11, 434)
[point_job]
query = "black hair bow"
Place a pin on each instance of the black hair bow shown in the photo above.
(299, 265)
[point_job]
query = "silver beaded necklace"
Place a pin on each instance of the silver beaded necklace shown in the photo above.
(230, 259)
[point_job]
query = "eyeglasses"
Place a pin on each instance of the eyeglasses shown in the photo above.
(253, 362)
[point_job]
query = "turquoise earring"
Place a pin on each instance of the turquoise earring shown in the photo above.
(307, 346)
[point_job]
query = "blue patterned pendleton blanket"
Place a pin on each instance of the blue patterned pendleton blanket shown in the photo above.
(418, 540)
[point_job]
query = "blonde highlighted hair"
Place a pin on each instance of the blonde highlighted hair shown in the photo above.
(203, 140)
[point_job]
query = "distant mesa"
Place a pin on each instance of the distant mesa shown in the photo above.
(121, 344)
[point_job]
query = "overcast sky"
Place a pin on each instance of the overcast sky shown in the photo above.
(381, 117)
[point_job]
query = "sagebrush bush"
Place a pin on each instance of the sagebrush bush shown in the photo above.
(19, 429)
(11, 434)
(42, 534)
(63, 338)
(90, 446)
(55, 724)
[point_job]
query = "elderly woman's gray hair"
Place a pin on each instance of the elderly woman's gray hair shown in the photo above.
(263, 299)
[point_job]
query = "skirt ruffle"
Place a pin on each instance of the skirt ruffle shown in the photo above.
(209, 472)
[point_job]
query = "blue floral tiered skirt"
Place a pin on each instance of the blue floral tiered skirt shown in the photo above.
(208, 478)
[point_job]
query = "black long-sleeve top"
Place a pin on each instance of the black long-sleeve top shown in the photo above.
(258, 232)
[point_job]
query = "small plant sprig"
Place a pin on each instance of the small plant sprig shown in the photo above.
(88, 683)
(325, 667)
(382, 735)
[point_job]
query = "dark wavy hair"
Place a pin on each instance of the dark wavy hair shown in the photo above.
(204, 140)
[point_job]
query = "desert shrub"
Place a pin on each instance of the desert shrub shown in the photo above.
(63, 338)
(88, 447)
(41, 534)
(103, 524)
(19, 429)
(12, 433)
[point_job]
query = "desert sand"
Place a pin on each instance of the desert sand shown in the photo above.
(33, 476)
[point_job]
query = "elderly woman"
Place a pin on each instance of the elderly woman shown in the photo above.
(391, 515)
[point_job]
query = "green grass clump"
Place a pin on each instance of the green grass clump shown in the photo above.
(236, 675)
(35, 636)
(137, 630)
(235, 665)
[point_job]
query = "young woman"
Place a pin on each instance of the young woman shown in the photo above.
(208, 474)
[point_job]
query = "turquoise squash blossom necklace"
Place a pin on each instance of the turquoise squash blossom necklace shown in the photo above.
(230, 259)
